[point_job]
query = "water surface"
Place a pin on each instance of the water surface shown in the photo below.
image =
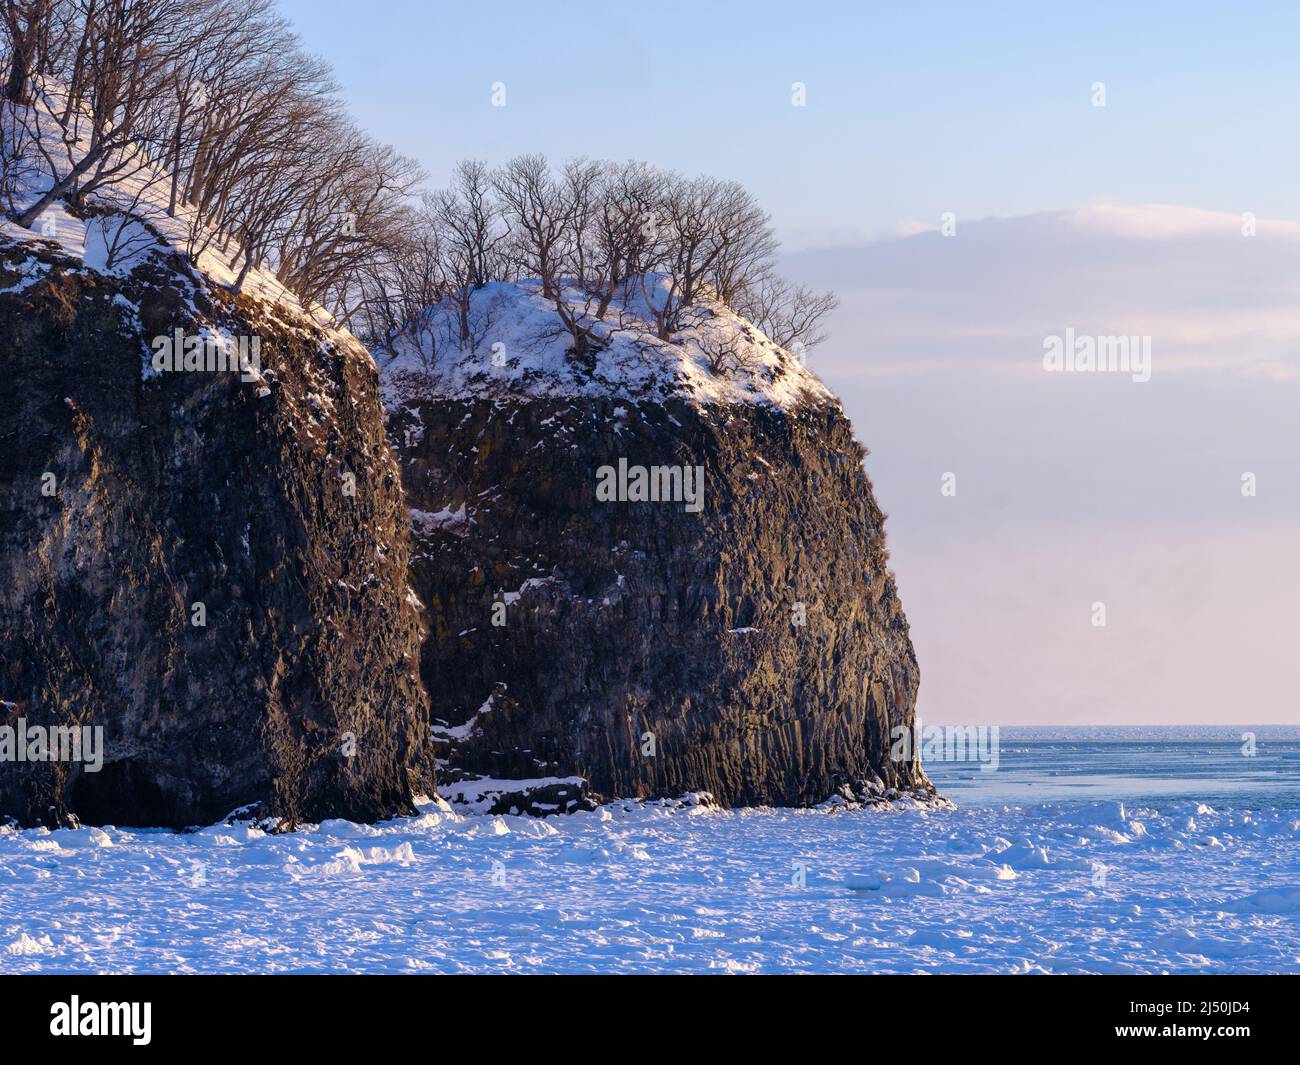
(1155, 766)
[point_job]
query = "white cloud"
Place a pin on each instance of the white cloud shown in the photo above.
(1209, 297)
(1163, 221)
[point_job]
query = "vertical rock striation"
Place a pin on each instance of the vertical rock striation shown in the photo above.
(197, 496)
(755, 649)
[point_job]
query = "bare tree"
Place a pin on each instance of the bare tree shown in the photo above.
(105, 94)
(791, 315)
(725, 353)
(471, 222)
(350, 208)
(401, 297)
(743, 244)
(536, 210)
(471, 235)
(548, 219)
(121, 232)
(686, 249)
(619, 231)
(27, 25)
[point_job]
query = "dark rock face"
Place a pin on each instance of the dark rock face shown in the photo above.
(651, 650)
(300, 693)
(533, 798)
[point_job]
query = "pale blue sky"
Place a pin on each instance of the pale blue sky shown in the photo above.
(913, 109)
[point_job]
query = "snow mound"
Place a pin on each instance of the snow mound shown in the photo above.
(1025, 856)
(1270, 900)
(1101, 814)
(25, 945)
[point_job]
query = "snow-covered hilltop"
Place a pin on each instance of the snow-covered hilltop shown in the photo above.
(517, 346)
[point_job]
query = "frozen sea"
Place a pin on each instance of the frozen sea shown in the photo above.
(1135, 850)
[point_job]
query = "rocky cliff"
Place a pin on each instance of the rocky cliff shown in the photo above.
(208, 565)
(661, 570)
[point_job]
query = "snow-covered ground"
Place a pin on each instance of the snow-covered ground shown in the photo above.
(522, 350)
(1089, 887)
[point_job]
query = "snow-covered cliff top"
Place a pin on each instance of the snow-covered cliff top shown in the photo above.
(519, 347)
(134, 226)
